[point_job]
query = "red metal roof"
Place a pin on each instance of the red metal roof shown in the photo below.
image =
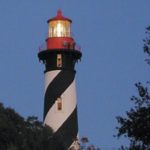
(59, 17)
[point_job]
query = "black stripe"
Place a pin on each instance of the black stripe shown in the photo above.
(68, 131)
(55, 89)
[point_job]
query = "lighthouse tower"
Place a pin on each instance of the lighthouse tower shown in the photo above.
(60, 102)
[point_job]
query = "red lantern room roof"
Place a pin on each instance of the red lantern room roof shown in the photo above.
(59, 17)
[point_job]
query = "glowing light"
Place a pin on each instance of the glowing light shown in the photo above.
(59, 30)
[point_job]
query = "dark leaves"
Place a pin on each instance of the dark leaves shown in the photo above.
(147, 44)
(16, 133)
(136, 124)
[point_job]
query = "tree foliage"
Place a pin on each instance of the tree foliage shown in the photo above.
(147, 44)
(86, 146)
(136, 124)
(17, 133)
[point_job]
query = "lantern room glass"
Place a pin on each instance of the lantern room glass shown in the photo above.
(59, 28)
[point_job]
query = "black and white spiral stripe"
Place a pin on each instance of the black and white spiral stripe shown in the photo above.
(61, 83)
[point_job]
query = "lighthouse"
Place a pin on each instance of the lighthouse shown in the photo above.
(60, 102)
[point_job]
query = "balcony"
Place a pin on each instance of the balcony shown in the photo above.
(64, 45)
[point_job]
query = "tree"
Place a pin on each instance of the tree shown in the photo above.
(17, 133)
(10, 127)
(86, 146)
(147, 43)
(136, 124)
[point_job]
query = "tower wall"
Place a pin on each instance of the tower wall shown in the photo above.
(60, 102)
(60, 86)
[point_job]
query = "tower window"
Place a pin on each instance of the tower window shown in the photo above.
(59, 60)
(59, 104)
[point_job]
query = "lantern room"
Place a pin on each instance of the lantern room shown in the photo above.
(59, 29)
(59, 33)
